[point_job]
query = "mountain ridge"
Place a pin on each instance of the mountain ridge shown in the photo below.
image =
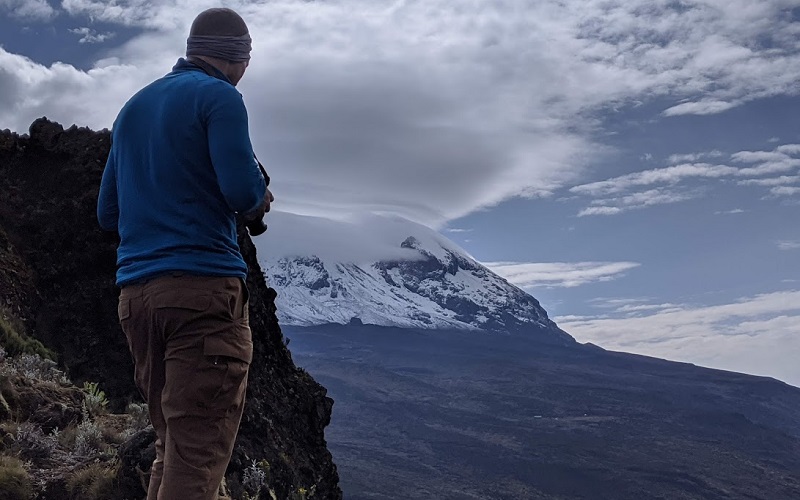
(435, 285)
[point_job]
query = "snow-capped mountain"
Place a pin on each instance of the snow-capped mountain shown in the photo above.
(423, 281)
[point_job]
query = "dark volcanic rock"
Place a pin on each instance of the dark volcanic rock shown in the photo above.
(49, 405)
(135, 457)
(57, 274)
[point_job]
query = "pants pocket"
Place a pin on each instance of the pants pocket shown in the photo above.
(227, 357)
(235, 343)
(245, 301)
(124, 309)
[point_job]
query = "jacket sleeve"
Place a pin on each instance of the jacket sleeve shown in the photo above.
(107, 203)
(239, 177)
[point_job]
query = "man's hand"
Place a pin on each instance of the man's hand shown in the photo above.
(268, 199)
(258, 214)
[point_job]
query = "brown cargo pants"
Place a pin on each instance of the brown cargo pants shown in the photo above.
(191, 345)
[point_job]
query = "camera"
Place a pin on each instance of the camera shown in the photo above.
(258, 227)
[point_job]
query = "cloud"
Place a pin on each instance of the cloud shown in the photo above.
(668, 175)
(91, 36)
(635, 201)
(772, 181)
(784, 191)
(699, 108)
(34, 10)
(362, 239)
(636, 309)
(635, 189)
(771, 167)
(616, 302)
(431, 109)
(693, 157)
(559, 274)
(162, 15)
(789, 245)
(601, 210)
(789, 149)
(730, 212)
(757, 156)
(62, 92)
(759, 334)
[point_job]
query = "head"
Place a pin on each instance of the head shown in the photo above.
(220, 37)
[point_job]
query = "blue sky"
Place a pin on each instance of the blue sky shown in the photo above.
(633, 164)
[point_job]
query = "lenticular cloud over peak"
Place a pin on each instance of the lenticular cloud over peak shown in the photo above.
(421, 108)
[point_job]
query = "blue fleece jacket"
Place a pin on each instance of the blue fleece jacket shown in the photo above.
(181, 166)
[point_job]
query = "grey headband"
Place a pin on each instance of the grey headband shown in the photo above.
(227, 48)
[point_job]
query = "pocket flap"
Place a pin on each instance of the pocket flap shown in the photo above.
(227, 344)
(124, 309)
(182, 301)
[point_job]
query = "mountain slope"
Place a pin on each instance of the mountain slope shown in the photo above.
(429, 283)
(453, 415)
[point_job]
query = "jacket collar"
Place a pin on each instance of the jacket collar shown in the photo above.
(198, 65)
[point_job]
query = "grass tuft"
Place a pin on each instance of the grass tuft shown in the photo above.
(96, 481)
(15, 482)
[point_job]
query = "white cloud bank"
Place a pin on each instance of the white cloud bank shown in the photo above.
(88, 35)
(758, 335)
(666, 185)
(433, 109)
(559, 274)
(29, 10)
(363, 239)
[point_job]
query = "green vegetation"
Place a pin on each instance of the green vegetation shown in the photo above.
(96, 400)
(15, 482)
(14, 340)
(299, 494)
(138, 416)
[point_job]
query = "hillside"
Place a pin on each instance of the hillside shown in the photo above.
(454, 415)
(57, 283)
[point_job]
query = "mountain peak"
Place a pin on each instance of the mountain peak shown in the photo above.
(410, 242)
(424, 282)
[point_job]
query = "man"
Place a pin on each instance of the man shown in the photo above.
(181, 168)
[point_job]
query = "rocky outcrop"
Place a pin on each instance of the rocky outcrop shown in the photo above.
(57, 276)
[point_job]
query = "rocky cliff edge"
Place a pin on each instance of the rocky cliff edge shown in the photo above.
(57, 283)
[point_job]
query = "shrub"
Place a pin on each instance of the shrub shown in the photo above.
(34, 367)
(88, 436)
(254, 478)
(95, 400)
(33, 444)
(138, 416)
(66, 438)
(15, 482)
(93, 482)
(300, 494)
(15, 341)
